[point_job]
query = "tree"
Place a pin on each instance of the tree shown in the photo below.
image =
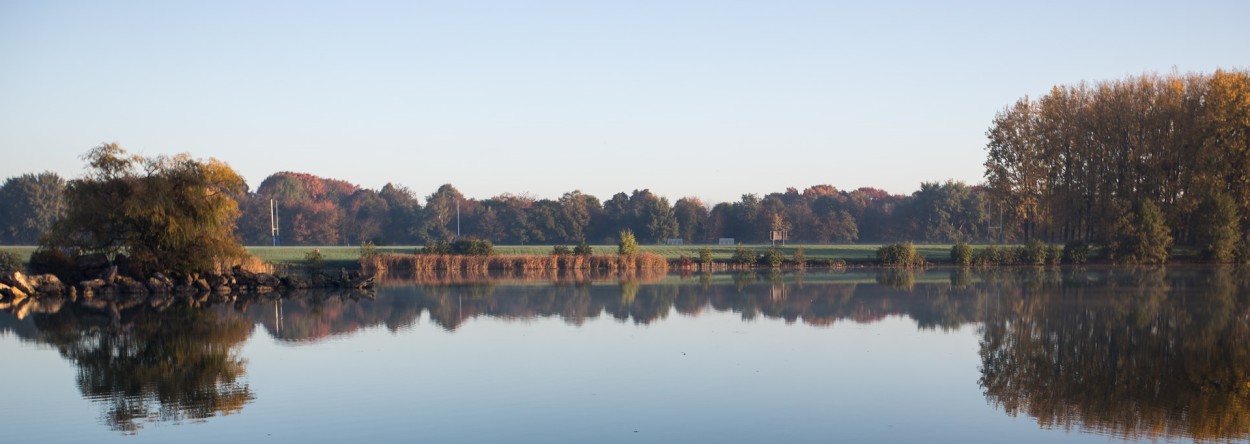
(628, 245)
(29, 204)
(1141, 236)
(1215, 227)
(172, 214)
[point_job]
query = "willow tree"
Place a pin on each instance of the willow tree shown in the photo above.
(166, 213)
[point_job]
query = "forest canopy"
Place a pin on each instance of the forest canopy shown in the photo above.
(1083, 161)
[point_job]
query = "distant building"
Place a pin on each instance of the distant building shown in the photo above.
(726, 241)
(674, 242)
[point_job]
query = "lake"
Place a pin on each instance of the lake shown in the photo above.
(945, 355)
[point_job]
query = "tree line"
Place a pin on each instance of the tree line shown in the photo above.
(1151, 158)
(313, 210)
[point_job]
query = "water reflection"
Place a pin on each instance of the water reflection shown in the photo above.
(1138, 354)
(1142, 354)
(143, 363)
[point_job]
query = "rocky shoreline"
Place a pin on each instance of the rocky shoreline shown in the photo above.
(100, 278)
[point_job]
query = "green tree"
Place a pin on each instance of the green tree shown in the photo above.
(1141, 236)
(628, 246)
(28, 205)
(173, 214)
(1215, 227)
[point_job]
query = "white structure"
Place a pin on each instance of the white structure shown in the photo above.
(674, 242)
(726, 241)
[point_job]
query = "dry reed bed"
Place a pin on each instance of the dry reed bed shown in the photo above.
(538, 266)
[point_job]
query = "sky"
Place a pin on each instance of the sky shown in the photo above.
(712, 99)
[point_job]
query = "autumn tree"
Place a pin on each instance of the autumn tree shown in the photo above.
(167, 213)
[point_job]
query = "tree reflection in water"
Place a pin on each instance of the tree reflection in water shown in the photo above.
(1133, 354)
(1145, 353)
(181, 363)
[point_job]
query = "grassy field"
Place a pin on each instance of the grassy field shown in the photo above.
(342, 256)
(850, 252)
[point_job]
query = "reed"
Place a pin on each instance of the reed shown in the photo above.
(396, 264)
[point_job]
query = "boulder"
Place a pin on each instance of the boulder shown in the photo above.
(296, 282)
(128, 285)
(109, 275)
(10, 293)
(18, 281)
(267, 280)
(158, 286)
(48, 285)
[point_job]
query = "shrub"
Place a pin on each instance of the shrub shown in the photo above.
(705, 255)
(901, 254)
(961, 254)
(583, 249)
(1141, 236)
(1076, 252)
(1033, 253)
(53, 261)
(800, 257)
(744, 256)
(10, 262)
(472, 247)
(313, 259)
(437, 247)
(684, 261)
(1053, 254)
(560, 250)
(1215, 227)
(368, 250)
(628, 245)
(774, 257)
(993, 255)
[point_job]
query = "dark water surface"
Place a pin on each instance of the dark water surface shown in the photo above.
(1005, 355)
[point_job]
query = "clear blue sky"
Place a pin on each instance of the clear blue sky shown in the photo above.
(705, 98)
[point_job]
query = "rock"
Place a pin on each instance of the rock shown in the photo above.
(267, 280)
(11, 293)
(90, 287)
(201, 285)
(18, 281)
(296, 282)
(109, 275)
(263, 289)
(222, 289)
(92, 284)
(157, 286)
(128, 285)
(48, 285)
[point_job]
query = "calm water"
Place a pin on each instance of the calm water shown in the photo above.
(1017, 355)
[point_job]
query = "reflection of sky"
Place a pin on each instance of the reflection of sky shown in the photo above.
(712, 378)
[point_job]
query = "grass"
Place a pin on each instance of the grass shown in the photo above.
(851, 253)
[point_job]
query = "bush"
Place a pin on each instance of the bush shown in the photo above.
(992, 255)
(744, 256)
(560, 250)
(313, 259)
(628, 245)
(1215, 227)
(437, 247)
(1141, 236)
(800, 257)
(53, 261)
(368, 250)
(582, 249)
(472, 247)
(961, 254)
(10, 262)
(1076, 252)
(774, 257)
(901, 254)
(1053, 254)
(1033, 253)
(705, 255)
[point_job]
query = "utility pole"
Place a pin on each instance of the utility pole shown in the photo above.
(457, 218)
(273, 221)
